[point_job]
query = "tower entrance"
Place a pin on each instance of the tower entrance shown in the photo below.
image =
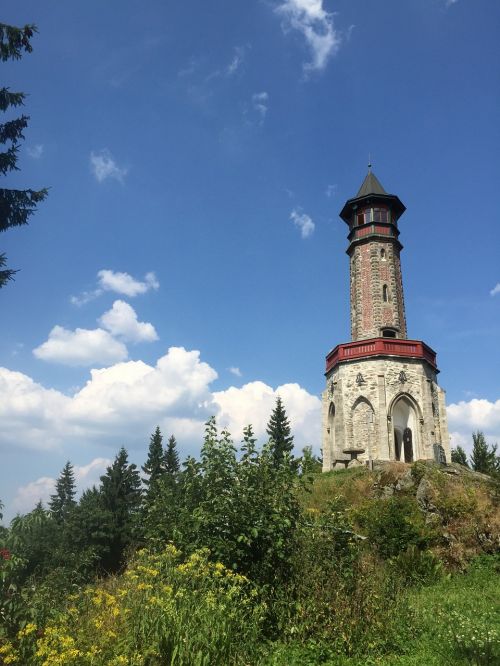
(405, 430)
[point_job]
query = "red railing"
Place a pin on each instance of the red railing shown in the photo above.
(380, 347)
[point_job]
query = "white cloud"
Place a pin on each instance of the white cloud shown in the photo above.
(303, 222)
(316, 25)
(85, 297)
(103, 166)
(235, 371)
(465, 417)
(122, 321)
(122, 403)
(495, 290)
(29, 495)
(236, 61)
(35, 151)
(123, 283)
(254, 402)
(331, 190)
(450, 2)
(260, 103)
(81, 347)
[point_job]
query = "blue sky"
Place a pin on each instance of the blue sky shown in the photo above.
(190, 259)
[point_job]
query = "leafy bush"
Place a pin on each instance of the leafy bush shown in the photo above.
(161, 611)
(393, 524)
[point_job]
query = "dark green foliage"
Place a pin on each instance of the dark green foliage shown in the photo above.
(154, 466)
(484, 457)
(245, 511)
(16, 206)
(172, 466)
(121, 498)
(393, 524)
(309, 463)
(13, 41)
(90, 530)
(62, 501)
(459, 456)
(279, 432)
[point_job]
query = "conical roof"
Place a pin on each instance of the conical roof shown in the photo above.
(371, 191)
(371, 185)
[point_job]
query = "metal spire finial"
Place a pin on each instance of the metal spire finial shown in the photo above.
(369, 162)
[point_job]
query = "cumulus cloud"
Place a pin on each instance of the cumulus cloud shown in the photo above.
(122, 321)
(495, 290)
(104, 166)
(303, 222)
(254, 402)
(81, 347)
(120, 283)
(123, 283)
(316, 26)
(41, 489)
(465, 417)
(235, 371)
(121, 403)
(35, 151)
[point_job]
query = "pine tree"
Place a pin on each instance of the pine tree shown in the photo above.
(171, 459)
(154, 466)
(279, 432)
(484, 458)
(459, 456)
(121, 496)
(63, 500)
(16, 206)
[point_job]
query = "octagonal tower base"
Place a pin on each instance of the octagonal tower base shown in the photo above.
(382, 397)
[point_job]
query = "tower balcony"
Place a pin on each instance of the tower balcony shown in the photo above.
(353, 351)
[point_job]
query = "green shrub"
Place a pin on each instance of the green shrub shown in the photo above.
(161, 611)
(393, 524)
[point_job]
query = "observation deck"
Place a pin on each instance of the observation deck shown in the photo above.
(353, 351)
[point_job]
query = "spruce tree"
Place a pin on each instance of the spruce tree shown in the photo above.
(171, 459)
(63, 500)
(16, 206)
(121, 496)
(154, 467)
(459, 456)
(279, 432)
(484, 458)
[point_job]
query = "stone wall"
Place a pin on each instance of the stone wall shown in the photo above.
(373, 266)
(363, 398)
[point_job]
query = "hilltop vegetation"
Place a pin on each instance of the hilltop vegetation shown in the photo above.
(254, 557)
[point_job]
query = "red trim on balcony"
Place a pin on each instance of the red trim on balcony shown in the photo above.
(353, 351)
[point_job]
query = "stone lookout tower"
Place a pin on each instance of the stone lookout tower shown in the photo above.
(382, 400)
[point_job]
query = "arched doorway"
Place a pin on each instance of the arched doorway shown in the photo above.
(405, 421)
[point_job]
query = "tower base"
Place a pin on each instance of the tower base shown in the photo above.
(378, 407)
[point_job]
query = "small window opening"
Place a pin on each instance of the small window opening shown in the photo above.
(380, 215)
(387, 333)
(385, 293)
(364, 216)
(382, 255)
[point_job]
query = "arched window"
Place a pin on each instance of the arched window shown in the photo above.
(382, 255)
(385, 293)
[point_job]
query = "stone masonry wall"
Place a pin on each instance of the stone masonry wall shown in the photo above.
(363, 412)
(374, 264)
